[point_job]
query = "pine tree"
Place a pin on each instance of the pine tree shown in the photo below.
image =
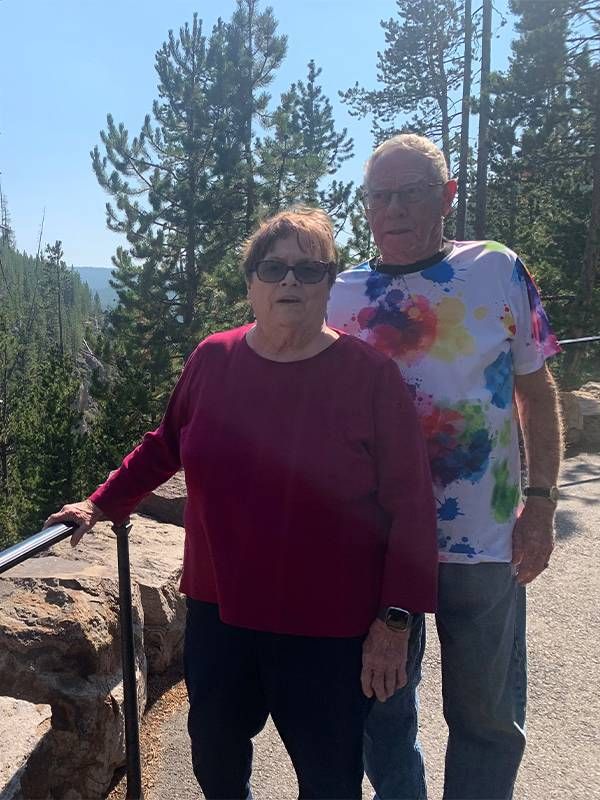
(54, 286)
(185, 189)
(39, 387)
(256, 52)
(420, 69)
(544, 159)
(303, 149)
(7, 235)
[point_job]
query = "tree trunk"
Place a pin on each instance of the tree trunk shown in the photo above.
(250, 193)
(461, 213)
(443, 102)
(59, 308)
(191, 269)
(484, 121)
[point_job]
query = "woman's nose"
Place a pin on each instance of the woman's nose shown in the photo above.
(289, 278)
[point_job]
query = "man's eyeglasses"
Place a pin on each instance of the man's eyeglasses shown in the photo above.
(270, 271)
(375, 199)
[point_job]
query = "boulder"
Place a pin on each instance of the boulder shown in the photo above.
(167, 503)
(588, 398)
(155, 554)
(60, 646)
(23, 726)
(572, 418)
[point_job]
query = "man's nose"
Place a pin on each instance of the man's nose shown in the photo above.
(397, 205)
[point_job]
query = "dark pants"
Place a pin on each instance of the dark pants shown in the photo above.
(311, 687)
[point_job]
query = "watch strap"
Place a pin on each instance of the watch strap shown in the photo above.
(548, 492)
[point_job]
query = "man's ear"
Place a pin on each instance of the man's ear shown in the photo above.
(448, 195)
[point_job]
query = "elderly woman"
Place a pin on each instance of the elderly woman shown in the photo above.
(310, 523)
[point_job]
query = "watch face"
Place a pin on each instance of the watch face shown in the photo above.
(398, 619)
(554, 494)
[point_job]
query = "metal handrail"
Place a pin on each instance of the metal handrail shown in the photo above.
(582, 340)
(33, 545)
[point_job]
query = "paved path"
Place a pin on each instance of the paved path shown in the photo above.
(562, 760)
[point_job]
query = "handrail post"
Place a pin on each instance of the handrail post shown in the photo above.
(132, 732)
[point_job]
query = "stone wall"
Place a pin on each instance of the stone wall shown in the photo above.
(581, 417)
(60, 655)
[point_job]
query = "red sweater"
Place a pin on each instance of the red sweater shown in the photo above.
(309, 494)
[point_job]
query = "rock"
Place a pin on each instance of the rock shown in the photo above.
(167, 503)
(23, 726)
(588, 398)
(60, 646)
(156, 556)
(591, 388)
(572, 418)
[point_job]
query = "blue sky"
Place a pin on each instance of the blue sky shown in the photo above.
(64, 64)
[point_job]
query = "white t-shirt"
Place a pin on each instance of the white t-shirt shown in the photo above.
(459, 330)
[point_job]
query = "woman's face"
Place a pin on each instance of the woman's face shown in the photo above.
(289, 302)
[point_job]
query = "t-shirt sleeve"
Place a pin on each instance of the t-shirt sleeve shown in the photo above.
(153, 461)
(405, 492)
(533, 339)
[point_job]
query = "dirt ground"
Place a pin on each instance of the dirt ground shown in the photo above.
(562, 760)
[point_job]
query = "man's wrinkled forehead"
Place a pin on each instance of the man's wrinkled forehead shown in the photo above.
(396, 168)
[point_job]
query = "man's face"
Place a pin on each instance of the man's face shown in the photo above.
(407, 231)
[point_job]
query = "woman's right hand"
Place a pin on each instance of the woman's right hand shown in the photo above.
(84, 514)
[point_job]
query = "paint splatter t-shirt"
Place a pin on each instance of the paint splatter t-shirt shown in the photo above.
(459, 331)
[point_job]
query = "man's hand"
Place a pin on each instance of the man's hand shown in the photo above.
(384, 661)
(533, 539)
(85, 514)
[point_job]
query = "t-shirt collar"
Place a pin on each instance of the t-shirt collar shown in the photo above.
(377, 265)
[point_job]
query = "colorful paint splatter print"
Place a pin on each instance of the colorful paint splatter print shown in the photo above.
(459, 330)
(458, 442)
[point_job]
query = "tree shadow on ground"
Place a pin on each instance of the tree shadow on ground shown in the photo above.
(566, 524)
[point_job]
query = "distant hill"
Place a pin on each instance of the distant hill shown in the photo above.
(97, 279)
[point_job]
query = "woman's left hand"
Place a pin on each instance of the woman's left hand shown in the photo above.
(384, 661)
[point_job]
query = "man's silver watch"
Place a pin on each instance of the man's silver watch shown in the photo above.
(550, 493)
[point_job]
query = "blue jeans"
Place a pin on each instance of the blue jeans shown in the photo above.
(481, 628)
(392, 754)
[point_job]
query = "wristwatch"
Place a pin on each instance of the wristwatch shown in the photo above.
(550, 493)
(396, 619)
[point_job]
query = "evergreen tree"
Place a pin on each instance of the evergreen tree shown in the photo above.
(302, 150)
(359, 245)
(7, 235)
(55, 279)
(256, 52)
(39, 386)
(420, 69)
(543, 161)
(185, 189)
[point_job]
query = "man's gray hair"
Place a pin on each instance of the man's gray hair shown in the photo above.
(411, 141)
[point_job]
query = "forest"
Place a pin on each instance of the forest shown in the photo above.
(79, 386)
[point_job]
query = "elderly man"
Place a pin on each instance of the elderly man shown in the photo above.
(464, 323)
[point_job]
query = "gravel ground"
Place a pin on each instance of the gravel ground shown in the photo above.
(562, 760)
